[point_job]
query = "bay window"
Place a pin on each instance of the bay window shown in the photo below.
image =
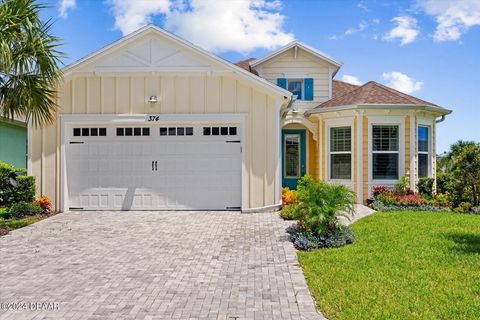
(385, 152)
(341, 153)
(423, 152)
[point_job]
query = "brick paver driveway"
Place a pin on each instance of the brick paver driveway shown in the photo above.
(153, 265)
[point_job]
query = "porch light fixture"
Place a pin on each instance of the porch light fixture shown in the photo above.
(152, 99)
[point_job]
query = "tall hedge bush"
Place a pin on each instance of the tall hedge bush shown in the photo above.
(15, 186)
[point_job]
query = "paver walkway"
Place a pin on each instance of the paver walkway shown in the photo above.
(153, 265)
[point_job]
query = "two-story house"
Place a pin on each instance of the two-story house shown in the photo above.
(153, 122)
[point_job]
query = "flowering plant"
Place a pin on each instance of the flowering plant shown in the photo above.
(45, 203)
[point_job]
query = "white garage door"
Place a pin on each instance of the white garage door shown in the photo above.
(135, 167)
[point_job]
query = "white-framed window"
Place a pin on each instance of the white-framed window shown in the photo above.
(423, 147)
(341, 153)
(385, 152)
(295, 86)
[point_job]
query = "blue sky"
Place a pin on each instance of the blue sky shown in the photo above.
(428, 48)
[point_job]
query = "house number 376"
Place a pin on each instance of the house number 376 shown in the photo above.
(153, 118)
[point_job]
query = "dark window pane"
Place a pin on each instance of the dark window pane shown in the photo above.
(206, 131)
(163, 131)
(172, 131)
(76, 132)
(85, 132)
(94, 132)
(189, 131)
(215, 131)
(295, 87)
(180, 131)
(232, 131)
(128, 131)
(340, 139)
(423, 139)
(102, 132)
(120, 132)
(137, 131)
(385, 138)
(224, 131)
(422, 165)
(292, 156)
(145, 131)
(385, 166)
(341, 166)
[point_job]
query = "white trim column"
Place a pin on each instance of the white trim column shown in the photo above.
(359, 115)
(412, 149)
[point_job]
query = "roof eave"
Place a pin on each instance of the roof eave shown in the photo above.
(153, 28)
(439, 110)
(303, 46)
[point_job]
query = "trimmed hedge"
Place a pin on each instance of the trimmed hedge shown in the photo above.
(22, 209)
(15, 186)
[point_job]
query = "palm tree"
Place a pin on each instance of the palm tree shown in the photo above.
(29, 63)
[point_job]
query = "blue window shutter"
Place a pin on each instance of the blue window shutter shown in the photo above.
(308, 83)
(282, 83)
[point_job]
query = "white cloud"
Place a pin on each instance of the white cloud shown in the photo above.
(131, 15)
(361, 26)
(351, 79)
(453, 18)
(401, 82)
(406, 30)
(65, 6)
(214, 25)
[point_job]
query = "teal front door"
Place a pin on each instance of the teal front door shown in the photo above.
(294, 155)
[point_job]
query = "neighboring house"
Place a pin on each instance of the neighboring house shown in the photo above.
(13, 143)
(152, 122)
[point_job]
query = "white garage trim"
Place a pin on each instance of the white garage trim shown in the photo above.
(68, 120)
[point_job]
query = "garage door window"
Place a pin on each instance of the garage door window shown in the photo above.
(178, 131)
(89, 132)
(216, 131)
(137, 132)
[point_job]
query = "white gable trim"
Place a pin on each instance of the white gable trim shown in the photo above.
(300, 45)
(68, 70)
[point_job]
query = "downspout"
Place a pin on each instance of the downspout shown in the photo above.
(441, 119)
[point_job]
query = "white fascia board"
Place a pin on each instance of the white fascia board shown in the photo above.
(301, 45)
(188, 45)
(439, 110)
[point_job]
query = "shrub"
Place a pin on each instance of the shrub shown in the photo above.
(289, 212)
(22, 209)
(425, 186)
(444, 182)
(25, 189)
(14, 185)
(378, 190)
(45, 203)
(288, 196)
(6, 172)
(402, 186)
(307, 240)
(320, 203)
(464, 207)
(476, 210)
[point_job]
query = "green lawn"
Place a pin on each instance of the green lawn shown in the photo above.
(7, 224)
(404, 265)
